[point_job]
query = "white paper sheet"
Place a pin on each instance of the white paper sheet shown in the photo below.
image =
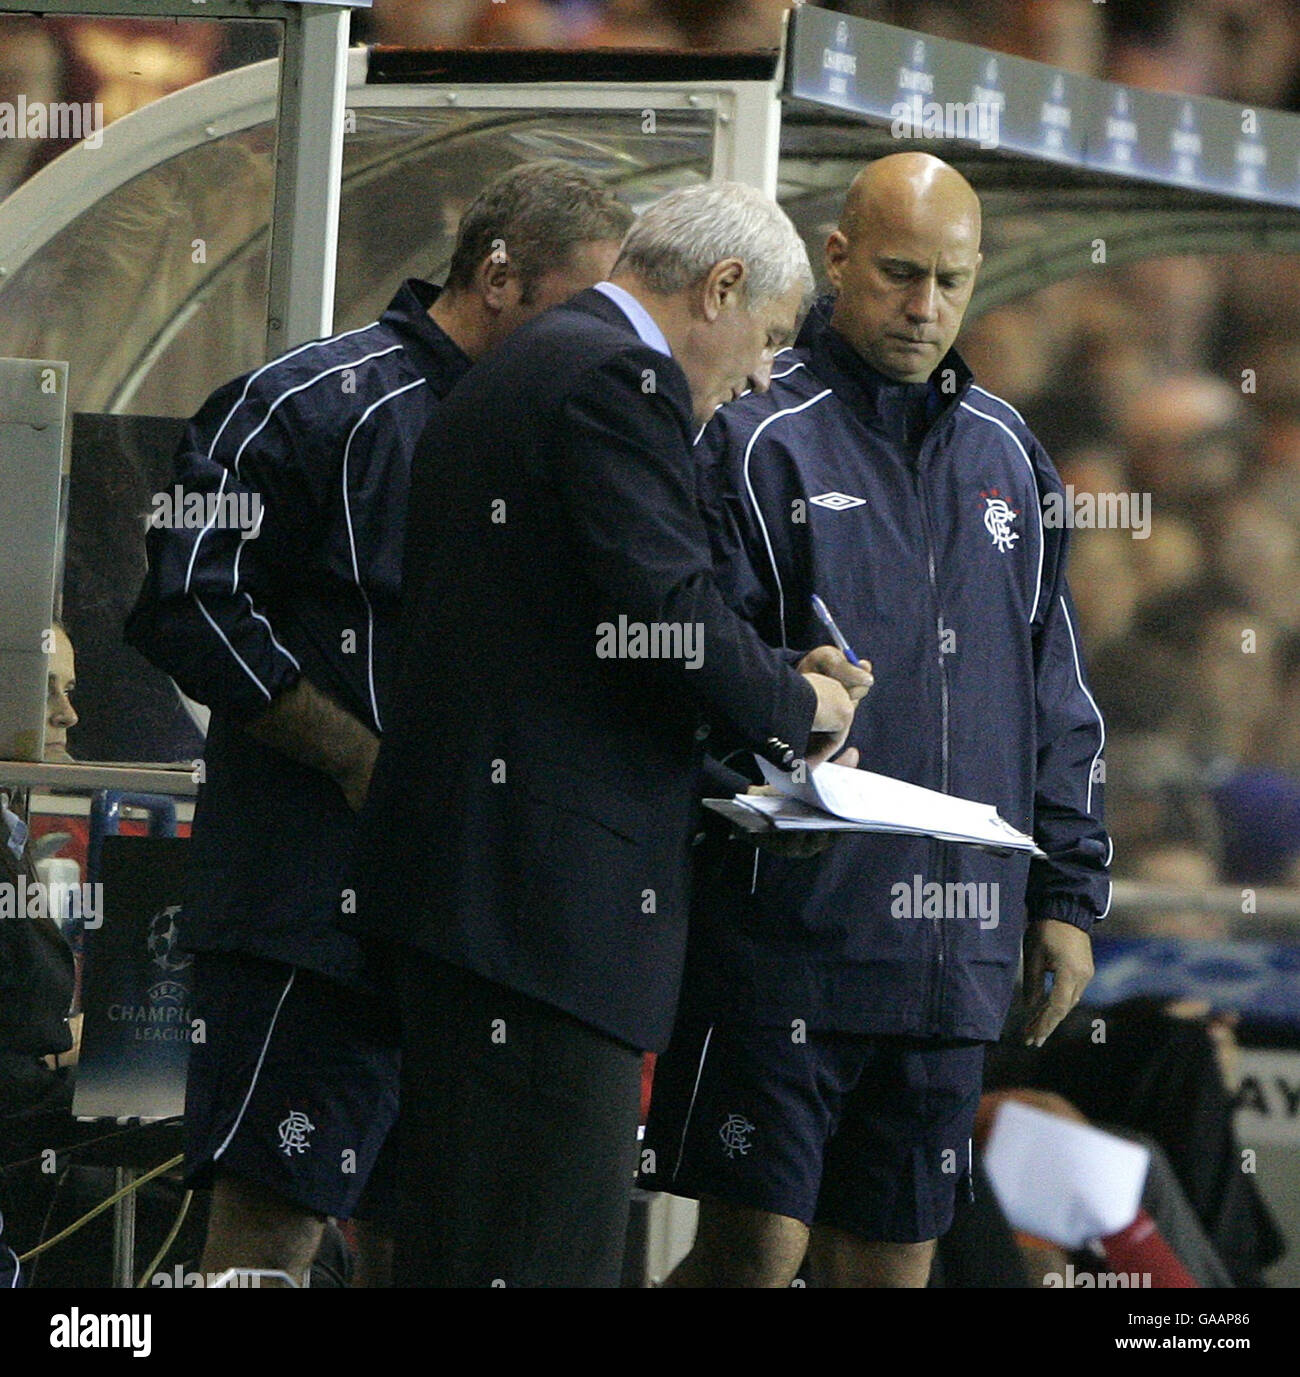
(882, 804)
(1062, 1180)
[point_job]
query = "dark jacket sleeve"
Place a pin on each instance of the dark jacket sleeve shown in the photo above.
(1073, 883)
(205, 612)
(719, 780)
(733, 541)
(740, 561)
(628, 482)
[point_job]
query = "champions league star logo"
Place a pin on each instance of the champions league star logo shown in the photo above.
(163, 935)
(998, 516)
(735, 1133)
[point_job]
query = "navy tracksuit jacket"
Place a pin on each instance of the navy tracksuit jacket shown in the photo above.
(916, 512)
(323, 436)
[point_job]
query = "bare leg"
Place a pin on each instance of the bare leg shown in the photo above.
(740, 1247)
(251, 1227)
(838, 1259)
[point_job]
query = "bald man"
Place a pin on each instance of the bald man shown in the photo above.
(824, 1072)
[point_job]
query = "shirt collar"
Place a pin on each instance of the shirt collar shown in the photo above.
(432, 349)
(640, 319)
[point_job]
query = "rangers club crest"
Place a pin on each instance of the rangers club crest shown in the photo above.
(735, 1133)
(294, 1133)
(998, 518)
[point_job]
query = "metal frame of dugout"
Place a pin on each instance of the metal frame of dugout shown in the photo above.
(1148, 173)
(1074, 163)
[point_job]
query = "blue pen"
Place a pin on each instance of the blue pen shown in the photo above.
(824, 616)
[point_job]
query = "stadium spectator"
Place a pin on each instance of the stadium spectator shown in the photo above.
(1183, 442)
(61, 715)
(1160, 1070)
(1069, 34)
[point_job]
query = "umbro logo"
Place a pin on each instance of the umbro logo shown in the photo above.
(837, 501)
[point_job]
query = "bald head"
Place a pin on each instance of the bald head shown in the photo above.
(903, 261)
(909, 190)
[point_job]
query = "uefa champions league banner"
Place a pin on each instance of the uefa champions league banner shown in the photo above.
(932, 88)
(136, 995)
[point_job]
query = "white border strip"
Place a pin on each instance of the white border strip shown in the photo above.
(1038, 497)
(749, 487)
(257, 1070)
(690, 1109)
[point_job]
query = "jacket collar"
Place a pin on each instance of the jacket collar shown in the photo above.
(598, 304)
(903, 411)
(432, 349)
(645, 325)
(672, 380)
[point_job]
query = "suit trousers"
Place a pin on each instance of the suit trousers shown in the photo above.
(517, 1136)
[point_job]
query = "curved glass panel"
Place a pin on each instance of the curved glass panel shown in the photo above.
(156, 292)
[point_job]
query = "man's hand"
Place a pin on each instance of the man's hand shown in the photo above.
(355, 780)
(840, 686)
(1066, 952)
(311, 728)
(829, 660)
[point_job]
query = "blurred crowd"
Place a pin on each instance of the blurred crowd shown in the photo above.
(1241, 50)
(118, 65)
(1246, 50)
(1179, 379)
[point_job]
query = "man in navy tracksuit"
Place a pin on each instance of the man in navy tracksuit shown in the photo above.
(280, 612)
(827, 1061)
